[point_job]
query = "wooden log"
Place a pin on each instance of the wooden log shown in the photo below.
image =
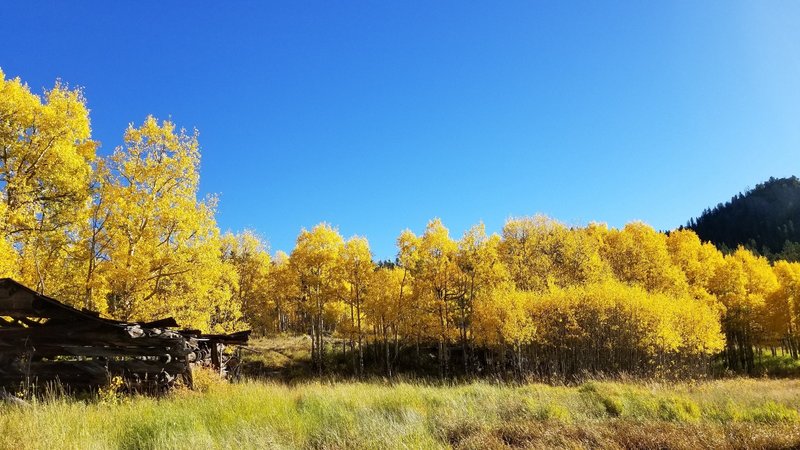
(188, 377)
(105, 352)
(66, 329)
(49, 350)
(215, 357)
(55, 368)
(240, 337)
(160, 323)
(27, 337)
(90, 329)
(25, 304)
(17, 300)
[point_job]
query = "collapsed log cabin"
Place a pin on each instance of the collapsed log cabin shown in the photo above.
(43, 340)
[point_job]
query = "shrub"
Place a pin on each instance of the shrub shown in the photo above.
(205, 379)
(111, 393)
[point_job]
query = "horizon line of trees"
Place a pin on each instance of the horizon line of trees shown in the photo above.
(540, 298)
(126, 235)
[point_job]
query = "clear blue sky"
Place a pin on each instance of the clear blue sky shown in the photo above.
(377, 116)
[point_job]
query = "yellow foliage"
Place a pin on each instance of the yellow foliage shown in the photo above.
(247, 255)
(638, 255)
(127, 235)
(742, 284)
(699, 261)
(540, 252)
(608, 314)
(45, 175)
(783, 304)
(164, 256)
(505, 316)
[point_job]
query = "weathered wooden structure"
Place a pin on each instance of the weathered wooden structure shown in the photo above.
(43, 340)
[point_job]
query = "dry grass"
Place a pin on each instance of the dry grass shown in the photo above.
(739, 413)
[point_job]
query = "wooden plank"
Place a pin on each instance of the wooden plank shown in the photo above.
(160, 323)
(21, 303)
(52, 351)
(134, 366)
(215, 359)
(112, 336)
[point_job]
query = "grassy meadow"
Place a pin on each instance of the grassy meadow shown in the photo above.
(734, 413)
(285, 409)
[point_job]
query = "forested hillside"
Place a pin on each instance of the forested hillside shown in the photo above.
(127, 235)
(765, 219)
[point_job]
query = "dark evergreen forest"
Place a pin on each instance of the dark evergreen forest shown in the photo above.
(765, 219)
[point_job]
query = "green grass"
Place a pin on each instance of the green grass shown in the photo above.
(737, 413)
(780, 365)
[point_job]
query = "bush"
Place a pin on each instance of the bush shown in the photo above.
(205, 379)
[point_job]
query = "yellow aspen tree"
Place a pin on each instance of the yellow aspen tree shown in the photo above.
(418, 319)
(614, 327)
(481, 270)
(582, 262)
(91, 288)
(283, 294)
(783, 308)
(698, 261)
(164, 256)
(45, 171)
(422, 321)
(316, 259)
(638, 254)
(357, 267)
(526, 250)
(742, 284)
(8, 259)
(247, 253)
(541, 252)
(437, 275)
(385, 307)
(762, 282)
(503, 318)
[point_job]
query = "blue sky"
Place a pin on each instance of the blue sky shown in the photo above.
(378, 116)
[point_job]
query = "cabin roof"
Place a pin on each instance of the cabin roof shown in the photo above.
(22, 303)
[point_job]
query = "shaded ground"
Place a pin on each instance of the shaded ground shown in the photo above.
(281, 357)
(288, 358)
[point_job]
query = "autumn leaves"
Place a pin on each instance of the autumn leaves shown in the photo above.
(127, 235)
(124, 235)
(540, 298)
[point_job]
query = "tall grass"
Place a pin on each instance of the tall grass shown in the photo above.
(739, 413)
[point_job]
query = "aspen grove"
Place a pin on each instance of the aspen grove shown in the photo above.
(127, 235)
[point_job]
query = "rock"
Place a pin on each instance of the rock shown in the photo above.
(7, 398)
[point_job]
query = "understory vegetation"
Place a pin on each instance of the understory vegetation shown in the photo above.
(734, 413)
